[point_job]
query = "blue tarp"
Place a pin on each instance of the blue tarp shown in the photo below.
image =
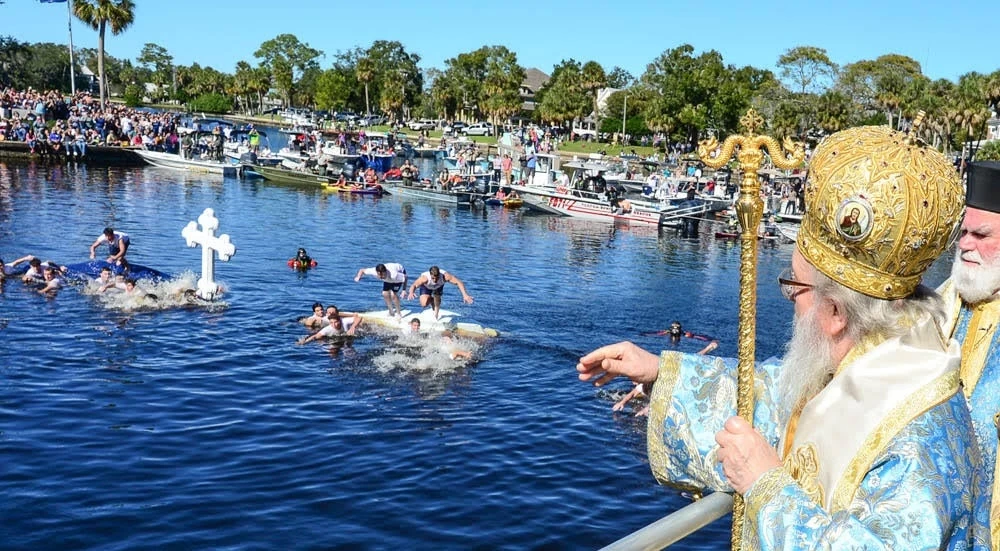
(93, 269)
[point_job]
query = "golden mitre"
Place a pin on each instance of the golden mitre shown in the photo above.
(880, 208)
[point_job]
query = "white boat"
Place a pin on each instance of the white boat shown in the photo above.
(176, 162)
(590, 206)
(447, 321)
(789, 231)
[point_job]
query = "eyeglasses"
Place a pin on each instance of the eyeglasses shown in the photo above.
(790, 288)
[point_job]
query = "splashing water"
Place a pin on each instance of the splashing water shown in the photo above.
(178, 292)
(425, 352)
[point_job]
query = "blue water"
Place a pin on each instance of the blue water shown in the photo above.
(195, 428)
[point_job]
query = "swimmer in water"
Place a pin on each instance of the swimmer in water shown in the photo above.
(317, 319)
(302, 260)
(337, 328)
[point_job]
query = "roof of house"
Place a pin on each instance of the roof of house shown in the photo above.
(534, 79)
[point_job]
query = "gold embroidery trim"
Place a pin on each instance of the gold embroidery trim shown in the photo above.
(659, 401)
(914, 405)
(950, 295)
(803, 466)
(995, 506)
(976, 346)
(764, 491)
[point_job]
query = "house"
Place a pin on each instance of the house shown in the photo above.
(588, 126)
(86, 79)
(533, 81)
(993, 129)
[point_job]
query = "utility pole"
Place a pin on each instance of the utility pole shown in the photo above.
(72, 70)
(624, 110)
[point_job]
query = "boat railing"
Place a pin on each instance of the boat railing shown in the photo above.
(685, 212)
(677, 525)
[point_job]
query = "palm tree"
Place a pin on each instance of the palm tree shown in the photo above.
(593, 78)
(99, 15)
(366, 73)
(991, 88)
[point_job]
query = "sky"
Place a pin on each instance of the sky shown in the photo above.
(947, 38)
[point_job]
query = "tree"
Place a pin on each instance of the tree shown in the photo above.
(444, 93)
(592, 79)
(288, 60)
(834, 111)
(159, 63)
(690, 94)
(989, 152)
(991, 89)
(365, 71)
(48, 67)
(14, 58)
(501, 91)
(100, 15)
(394, 70)
(619, 78)
(880, 84)
(333, 89)
(807, 69)
(466, 73)
(563, 97)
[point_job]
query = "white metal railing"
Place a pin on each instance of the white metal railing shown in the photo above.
(677, 525)
(684, 212)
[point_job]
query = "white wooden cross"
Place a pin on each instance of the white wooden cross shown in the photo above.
(207, 289)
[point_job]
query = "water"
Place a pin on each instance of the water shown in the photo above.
(127, 426)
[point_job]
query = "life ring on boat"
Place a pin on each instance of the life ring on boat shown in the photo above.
(561, 189)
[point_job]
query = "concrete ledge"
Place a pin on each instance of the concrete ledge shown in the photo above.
(96, 155)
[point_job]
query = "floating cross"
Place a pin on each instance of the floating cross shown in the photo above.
(207, 288)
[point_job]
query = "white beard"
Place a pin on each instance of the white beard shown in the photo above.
(975, 283)
(808, 363)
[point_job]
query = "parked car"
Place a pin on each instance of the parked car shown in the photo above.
(454, 128)
(370, 120)
(422, 124)
(478, 129)
(345, 116)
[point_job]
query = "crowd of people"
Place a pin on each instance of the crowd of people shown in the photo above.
(51, 124)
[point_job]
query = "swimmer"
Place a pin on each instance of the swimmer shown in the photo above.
(104, 277)
(642, 391)
(337, 328)
(116, 284)
(317, 319)
(117, 242)
(10, 268)
(302, 260)
(413, 327)
(454, 352)
(53, 281)
(132, 290)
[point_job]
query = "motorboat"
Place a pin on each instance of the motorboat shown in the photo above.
(179, 162)
(458, 196)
